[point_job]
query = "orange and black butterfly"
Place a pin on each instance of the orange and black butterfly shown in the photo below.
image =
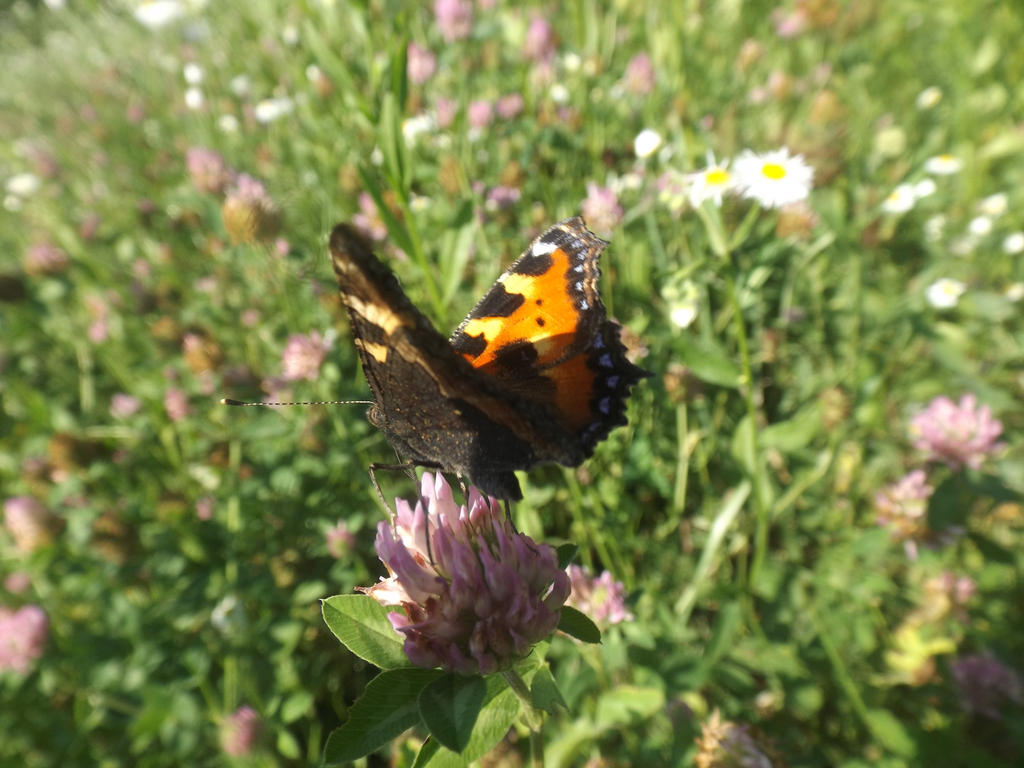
(534, 374)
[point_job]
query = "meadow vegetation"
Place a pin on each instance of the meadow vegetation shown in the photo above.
(805, 548)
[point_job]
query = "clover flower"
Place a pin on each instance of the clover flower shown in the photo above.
(303, 356)
(902, 507)
(454, 18)
(248, 211)
(985, 685)
(960, 434)
(22, 637)
(339, 540)
(540, 40)
(601, 208)
(602, 598)
(29, 523)
(476, 594)
(724, 744)
(176, 404)
(239, 731)
(208, 170)
(421, 63)
(639, 76)
(45, 259)
(123, 405)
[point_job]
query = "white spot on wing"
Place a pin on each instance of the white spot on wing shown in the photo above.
(540, 248)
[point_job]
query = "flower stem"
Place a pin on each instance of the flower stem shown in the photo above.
(530, 715)
(757, 465)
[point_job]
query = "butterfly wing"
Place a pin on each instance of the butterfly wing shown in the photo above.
(435, 409)
(542, 332)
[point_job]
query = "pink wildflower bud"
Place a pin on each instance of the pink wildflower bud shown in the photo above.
(454, 19)
(480, 114)
(248, 212)
(239, 731)
(123, 405)
(601, 208)
(45, 259)
(509, 107)
(29, 523)
(603, 599)
(176, 404)
(540, 40)
(420, 64)
(369, 221)
(303, 356)
(959, 434)
(639, 77)
(479, 596)
(22, 637)
(207, 170)
(985, 685)
(339, 539)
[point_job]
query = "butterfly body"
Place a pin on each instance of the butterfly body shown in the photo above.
(534, 374)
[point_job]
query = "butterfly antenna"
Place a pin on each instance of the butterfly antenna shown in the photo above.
(229, 401)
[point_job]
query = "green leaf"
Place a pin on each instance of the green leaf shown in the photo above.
(795, 433)
(450, 706)
(566, 553)
(295, 706)
(500, 709)
(288, 745)
(708, 361)
(397, 232)
(578, 625)
(626, 704)
(545, 694)
(361, 624)
(387, 707)
(890, 732)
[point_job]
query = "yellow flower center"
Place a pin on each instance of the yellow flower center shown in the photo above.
(773, 171)
(717, 177)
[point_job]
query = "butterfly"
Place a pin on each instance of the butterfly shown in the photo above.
(535, 374)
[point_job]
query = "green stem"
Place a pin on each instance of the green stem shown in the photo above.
(747, 384)
(530, 715)
(842, 674)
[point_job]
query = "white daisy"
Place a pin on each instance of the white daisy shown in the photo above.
(239, 85)
(994, 205)
(929, 97)
(934, 226)
(924, 187)
(711, 183)
(415, 126)
(682, 299)
(193, 98)
(945, 292)
(158, 13)
(193, 73)
(1013, 243)
(269, 110)
(774, 178)
(646, 143)
(900, 200)
(943, 165)
(1014, 292)
(23, 184)
(227, 123)
(980, 226)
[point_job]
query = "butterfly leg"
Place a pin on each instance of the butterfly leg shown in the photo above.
(407, 467)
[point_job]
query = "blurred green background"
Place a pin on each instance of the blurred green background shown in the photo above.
(170, 172)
